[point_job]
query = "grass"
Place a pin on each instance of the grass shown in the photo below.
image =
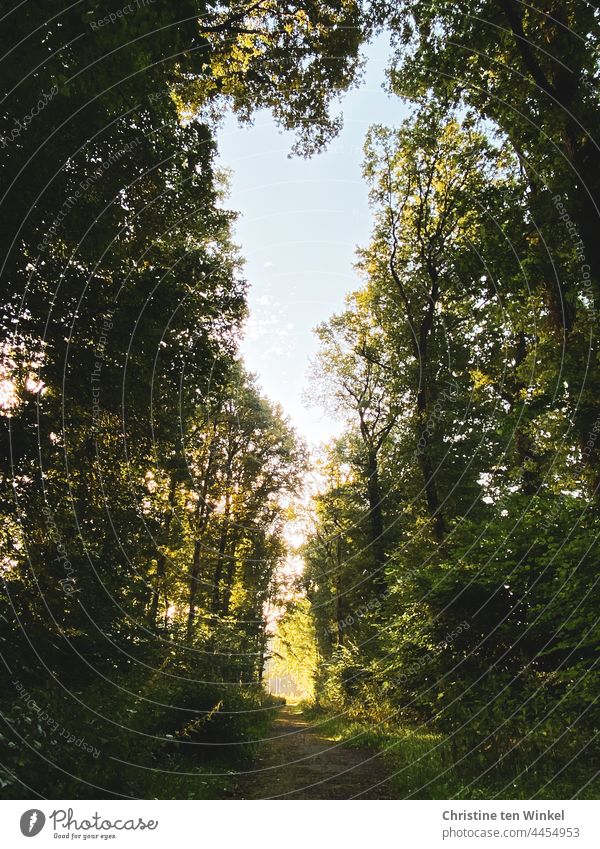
(425, 764)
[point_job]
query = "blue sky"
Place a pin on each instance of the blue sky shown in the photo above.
(300, 222)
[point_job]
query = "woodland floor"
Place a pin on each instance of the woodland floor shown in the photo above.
(297, 762)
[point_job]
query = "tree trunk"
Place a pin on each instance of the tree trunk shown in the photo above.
(202, 515)
(339, 600)
(194, 575)
(376, 518)
(427, 468)
(229, 577)
(162, 559)
(221, 552)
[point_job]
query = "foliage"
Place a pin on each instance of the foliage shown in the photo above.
(447, 601)
(484, 637)
(146, 479)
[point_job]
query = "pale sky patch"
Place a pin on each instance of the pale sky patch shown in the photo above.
(300, 223)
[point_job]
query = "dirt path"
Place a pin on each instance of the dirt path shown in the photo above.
(298, 763)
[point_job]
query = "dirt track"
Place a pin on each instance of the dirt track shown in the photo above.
(298, 763)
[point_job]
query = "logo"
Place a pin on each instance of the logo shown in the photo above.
(32, 822)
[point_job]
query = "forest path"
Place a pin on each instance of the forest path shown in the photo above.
(298, 762)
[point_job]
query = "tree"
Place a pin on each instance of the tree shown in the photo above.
(144, 505)
(351, 367)
(533, 74)
(481, 481)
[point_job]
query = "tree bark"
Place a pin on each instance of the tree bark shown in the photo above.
(339, 599)
(194, 575)
(202, 514)
(376, 519)
(229, 577)
(162, 559)
(221, 552)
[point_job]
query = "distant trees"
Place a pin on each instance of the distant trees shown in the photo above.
(293, 649)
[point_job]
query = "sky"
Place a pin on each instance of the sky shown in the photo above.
(300, 221)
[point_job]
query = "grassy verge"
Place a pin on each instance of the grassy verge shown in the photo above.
(427, 765)
(162, 739)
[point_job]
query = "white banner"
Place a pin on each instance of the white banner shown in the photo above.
(296, 824)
